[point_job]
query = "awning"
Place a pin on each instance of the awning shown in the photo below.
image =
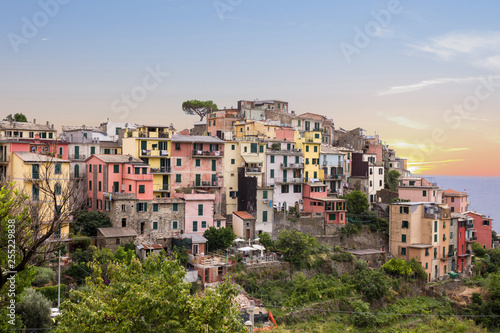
(239, 240)
(247, 248)
(252, 159)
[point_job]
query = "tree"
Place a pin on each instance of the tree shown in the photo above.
(298, 247)
(148, 298)
(266, 240)
(34, 310)
(87, 222)
(219, 239)
(43, 276)
(200, 108)
(357, 202)
(392, 179)
(19, 117)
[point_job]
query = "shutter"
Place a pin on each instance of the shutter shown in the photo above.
(145, 206)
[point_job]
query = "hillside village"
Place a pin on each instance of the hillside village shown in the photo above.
(259, 170)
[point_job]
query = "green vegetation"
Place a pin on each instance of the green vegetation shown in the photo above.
(357, 202)
(200, 108)
(19, 117)
(34, 310)
(87, 222)
(43, 276)
(219, 239)
(300, 249)
(392, 180)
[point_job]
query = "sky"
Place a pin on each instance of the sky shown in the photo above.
(424, 75)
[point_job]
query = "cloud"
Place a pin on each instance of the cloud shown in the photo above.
(424, 147)
(456, 43)
(406, 122)
(427, 83)
(436, 162)
(456, 149)
(492, 62)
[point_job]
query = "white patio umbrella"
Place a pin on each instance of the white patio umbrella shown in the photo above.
(261, 248)
(247, 248)
(239, 240)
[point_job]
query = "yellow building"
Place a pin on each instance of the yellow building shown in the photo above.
(152, 144)
(257, 129)
(40, 177)
(310, 144)
(20, 130)
(247, 153)
(420, 231)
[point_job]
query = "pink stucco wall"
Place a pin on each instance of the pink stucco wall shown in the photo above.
(459, 203)
(192, 214)
(483, 232)
(285, 134)
(416, 194)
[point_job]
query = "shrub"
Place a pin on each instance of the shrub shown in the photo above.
(478, 250)
(34, 310)
(50, 293)
(43, 276)
(361, 316)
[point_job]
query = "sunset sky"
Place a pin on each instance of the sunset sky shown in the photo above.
(424, 75)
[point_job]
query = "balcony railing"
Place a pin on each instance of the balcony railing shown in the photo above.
(162, 187)
(152, 135)
(288, 180)
(206, 183)
(204, 153)
(292, 166)
(77, 157)
(4, 158)
(253, 170)
(471, 239)
(160, 170)
(154, 152)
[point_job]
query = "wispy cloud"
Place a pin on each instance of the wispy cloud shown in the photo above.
(424, 147)
(427, 83)
(456, 43)
(407, 122)
(436, 162)
(492, 62)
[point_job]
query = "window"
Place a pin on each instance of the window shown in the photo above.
(175, 207)
(261, 149)
(307, 148)
(203, 224)
(444, 237)
(284, 189)
(124, 222)
(116, 168)
(426, 265)
(264, 216)
(403, 251)
(200, 209)
(77, 171)
(426, 252)
(297, 189)
(35, 192)
(233, 161)
(272, 173)
(315, 149)
(272, 158)
(435, 226)
(90, 185)
(444, 252)
(403, 238)
(253, 148)
(142, 189)
(179, 162)
(233, 147)
(424, 193)
(245, 149)
(435, 238)
(380, 183)
(380, 171)
(177, 146)
(58, 189)
(144, 171)
(175, 225)
(486, 222)
(197, 162)
(444, 224)
(137, 171)
(155, 225)
(117, 241)
(195, 226)
(307, 161)
(331, 217)
(435, 253)
(178, 178)
(404, 210)
(58, 169)
(404, 224)
(218, 224)
(214, 165)
(124, 208)
(316, 136)
(116, 187)
(142, 207)
(90, 167)
(264, 194)
(100, 168)
(130, 188)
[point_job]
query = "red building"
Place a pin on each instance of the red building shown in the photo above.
(482, 229)
(317, 201)
(464, 241)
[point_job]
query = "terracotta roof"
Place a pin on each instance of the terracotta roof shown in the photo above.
(450, 191)
(117, 159)
(153, 247)
(244, 215)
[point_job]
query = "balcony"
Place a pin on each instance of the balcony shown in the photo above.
(4, 159)
(253, 170)
(471, 239)
(154, 135)
(333, 177)
(204, 184)
(288, 181)
(161, 170)
(77, 157)
(204, 153)
(161, 188)
(154, 153)
(470, 225)
(292, 166)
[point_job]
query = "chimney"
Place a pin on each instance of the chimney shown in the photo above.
(52, 126)
(47, 123)
(34, 121)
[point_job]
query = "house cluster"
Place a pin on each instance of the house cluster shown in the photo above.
(162, 187)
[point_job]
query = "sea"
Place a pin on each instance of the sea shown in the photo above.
(484, 193)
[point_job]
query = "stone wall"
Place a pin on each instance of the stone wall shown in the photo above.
(307, 225)
(362, 241)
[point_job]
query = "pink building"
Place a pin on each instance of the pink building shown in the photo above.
(285, 134)
(482, 229)
(317, 201)
(457, 201)
(374, 146)
(418, 189)
(112, 174)
(197, 162)
(199, 212)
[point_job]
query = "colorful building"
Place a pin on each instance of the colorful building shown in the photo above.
(152, 144)
(316, 201)
(309, 142)
(419, 189)
(222, 121)
(199, 212)
(458, 201)
(464, 242)
(420, 231)
(482, 229)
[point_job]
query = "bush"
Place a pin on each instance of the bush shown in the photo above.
(266, 241)
(412, 268)
(371, 283)
(478, 250)
(34, 310)
(50, 293)
(342, 257)
(43, 276)
(82, 243)
(87, 222)
(361, 316)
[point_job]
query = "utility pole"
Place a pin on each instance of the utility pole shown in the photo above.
(250, 310)
(59, 284)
